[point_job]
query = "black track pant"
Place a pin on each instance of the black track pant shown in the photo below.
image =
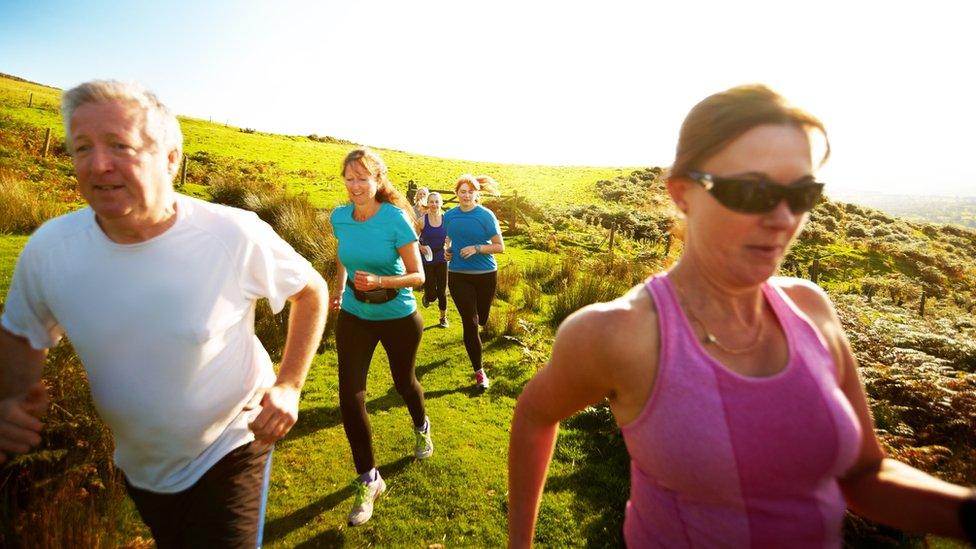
(224, 509)
(435, 284)
(472, 295)
(356, 340)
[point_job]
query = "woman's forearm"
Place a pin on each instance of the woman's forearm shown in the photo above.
(899, 495)
(408, 280)
(529, 453)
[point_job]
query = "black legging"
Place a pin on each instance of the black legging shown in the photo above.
(435, 285)
(472, 295)
(356, 340)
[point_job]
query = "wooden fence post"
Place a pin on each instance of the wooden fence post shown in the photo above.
(183, 172)
(30, 101)
(815, 270)
(613, 230)
(47, 142)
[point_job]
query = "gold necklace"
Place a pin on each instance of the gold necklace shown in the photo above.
(710, 338)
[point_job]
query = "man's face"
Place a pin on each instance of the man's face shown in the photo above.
(123, 171)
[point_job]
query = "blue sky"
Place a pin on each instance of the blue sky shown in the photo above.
(597, 83)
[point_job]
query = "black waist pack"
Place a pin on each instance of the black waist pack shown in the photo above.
(379, 295)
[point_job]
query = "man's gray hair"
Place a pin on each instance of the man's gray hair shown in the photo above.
(167, 129)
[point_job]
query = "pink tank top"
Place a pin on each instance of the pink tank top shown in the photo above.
(719, 459)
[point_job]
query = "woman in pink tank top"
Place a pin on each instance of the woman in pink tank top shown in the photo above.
(736, 391)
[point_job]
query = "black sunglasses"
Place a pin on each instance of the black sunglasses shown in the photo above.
(760, 196)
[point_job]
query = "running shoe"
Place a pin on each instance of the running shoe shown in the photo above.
(423, 446)
(366, 494)
(423, 300)
(481, 379)
(443, 323)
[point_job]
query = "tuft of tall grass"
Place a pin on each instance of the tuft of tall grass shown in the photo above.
(531, 298)
(509, 277)
(299, 223)
(67, 493)
(22, 207)
(503, 323)
(581, 292)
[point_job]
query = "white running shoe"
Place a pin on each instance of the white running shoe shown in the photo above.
(366, 494)
(423, 446)
(481, 379)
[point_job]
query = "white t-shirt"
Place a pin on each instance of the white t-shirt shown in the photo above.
(165, 328)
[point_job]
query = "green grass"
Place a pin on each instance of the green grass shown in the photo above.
(10, 247)
(457, 497)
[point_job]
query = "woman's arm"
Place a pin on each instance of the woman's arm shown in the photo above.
(888, 491)
(413, 278)
(340, 286)
(497, 246)
(580, 373)
(877, 487)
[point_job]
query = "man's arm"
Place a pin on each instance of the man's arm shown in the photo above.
(23, 398)
(305, 324)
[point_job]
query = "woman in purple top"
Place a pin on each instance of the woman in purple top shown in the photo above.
(432, 237)
(736, 391)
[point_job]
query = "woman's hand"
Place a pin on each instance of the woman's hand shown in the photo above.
(424, 250)
(469, 251)
(336, 302)
(365, 281)
(448, 254)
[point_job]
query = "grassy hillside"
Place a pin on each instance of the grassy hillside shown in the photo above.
(918, 367)
(310, 166)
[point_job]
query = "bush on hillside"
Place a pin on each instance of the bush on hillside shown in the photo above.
(67, 492)
(294, 219)
(581, 292)
(22, 207)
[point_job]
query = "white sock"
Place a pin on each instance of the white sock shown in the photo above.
(369, 476)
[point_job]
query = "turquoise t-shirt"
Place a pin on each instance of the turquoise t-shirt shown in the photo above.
(468, 229)
(372, 246)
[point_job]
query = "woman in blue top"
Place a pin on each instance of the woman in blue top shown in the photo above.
(378, 264)
(432, 238)
(474, 236)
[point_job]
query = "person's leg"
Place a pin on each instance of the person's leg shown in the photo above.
(355, 342)
(430, 287)
(440, 281)
(485, 287)
(465, 298)
(401, 339)
(164, 514)
(225, 508)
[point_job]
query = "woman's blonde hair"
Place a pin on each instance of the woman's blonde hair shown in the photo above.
(721, 118)
(371, 161)
(416, 197)
(478, 183)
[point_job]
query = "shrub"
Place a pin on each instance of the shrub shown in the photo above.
(67, 493)
(582, 292)
(22, 207)
(509, 277)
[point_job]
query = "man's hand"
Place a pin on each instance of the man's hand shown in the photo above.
(468, 251)
(279, 413)
(448, 254)
(20, 423)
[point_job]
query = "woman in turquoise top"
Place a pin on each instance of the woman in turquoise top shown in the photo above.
(378, 264)
(474, 236)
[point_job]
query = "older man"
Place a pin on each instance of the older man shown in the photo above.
(157, 293)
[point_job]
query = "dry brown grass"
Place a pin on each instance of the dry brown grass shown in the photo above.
(23, 207)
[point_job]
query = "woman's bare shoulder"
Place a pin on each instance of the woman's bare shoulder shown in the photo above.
(616, 330)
